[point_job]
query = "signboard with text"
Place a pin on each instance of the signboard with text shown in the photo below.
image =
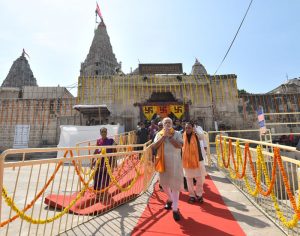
(152, 69)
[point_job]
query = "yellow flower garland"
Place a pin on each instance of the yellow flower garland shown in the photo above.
(29, 219)
(112, 177)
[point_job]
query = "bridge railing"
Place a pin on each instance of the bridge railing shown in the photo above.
(210, 138)
(266, 174)
(126, 138)
(49, 196)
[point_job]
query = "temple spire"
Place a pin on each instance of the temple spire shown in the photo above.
(20, 73)
(100, 60)
(198, 68)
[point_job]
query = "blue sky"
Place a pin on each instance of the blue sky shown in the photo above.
(57, 35)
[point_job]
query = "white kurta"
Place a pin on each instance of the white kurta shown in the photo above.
(198, 172)
(173, 175)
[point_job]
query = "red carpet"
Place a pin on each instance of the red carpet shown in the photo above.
(89, 204)
(210, 218)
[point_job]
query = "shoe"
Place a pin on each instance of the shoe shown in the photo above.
(192, 200)
(200, 199)
(168, 205)
(176, 215)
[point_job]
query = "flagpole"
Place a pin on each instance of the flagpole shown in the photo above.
(96, 17)
(96, 20)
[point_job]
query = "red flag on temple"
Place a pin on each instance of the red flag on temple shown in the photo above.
(98, 11)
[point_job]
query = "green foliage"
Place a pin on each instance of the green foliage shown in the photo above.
(242, 91)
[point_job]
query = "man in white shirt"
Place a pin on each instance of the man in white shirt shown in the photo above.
(203, 144)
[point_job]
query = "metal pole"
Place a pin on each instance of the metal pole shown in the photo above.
(1, 182)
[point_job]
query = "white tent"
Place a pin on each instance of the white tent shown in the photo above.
(70, 135)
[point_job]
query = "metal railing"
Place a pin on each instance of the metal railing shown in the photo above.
(121, 139)
(49, 196)
(211, 134)
(265, 175)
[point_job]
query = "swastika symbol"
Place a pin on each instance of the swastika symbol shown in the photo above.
(148, 110)
(178, 109)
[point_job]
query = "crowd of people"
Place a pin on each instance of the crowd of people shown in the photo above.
(179, 150)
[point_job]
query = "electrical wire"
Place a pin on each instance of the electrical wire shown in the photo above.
(234, 37)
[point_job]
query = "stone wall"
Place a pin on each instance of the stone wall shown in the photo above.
(43, 115)
(9, 93)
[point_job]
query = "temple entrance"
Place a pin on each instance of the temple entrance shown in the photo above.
(164, 104)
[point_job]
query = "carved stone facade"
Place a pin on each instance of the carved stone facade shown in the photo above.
(100, 60)
(198, 69)
(206, 98)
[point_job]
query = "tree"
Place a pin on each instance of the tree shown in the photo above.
(242, 91)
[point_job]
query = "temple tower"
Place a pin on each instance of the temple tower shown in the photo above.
(100, 60)
(198, 69)
(20, 74)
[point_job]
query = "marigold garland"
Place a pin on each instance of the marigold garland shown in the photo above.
(257, 179)
(294, 221)
(28, 206)
(91, 188)
(29, 219)
(109, 171)
(260, 165)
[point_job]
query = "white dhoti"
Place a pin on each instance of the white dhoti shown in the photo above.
(199, 174)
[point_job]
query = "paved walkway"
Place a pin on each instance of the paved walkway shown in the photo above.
(123, 219)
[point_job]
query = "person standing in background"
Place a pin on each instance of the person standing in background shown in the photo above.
(203, 144)
(153, 128)
(142, 135)
(101, 178)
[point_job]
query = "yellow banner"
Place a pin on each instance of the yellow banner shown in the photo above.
(149, 111)
(177, 110)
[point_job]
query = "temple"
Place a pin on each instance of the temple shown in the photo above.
(106, 95)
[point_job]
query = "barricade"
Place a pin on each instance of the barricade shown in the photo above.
(46, 197)
(267, 177)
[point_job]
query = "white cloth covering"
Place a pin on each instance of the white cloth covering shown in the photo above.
(70, 135)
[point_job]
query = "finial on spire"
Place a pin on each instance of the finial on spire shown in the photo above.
(197, 61)
(25, 54)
